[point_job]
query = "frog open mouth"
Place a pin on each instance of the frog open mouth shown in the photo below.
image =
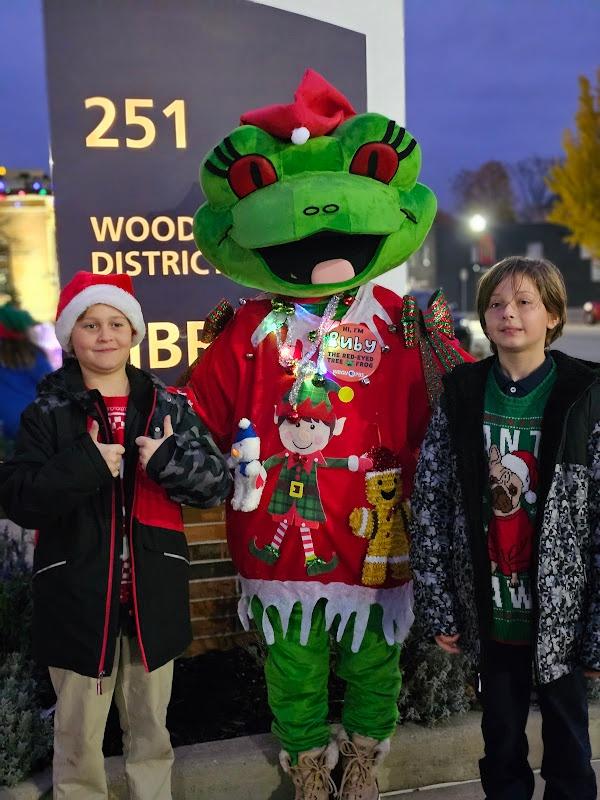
(298, 262)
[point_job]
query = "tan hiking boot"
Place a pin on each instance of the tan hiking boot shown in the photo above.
(360, 758)
(312, 775)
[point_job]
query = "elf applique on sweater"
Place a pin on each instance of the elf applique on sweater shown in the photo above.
(512, 433)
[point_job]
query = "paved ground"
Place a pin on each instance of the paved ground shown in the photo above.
(580, 340)
(462, 791)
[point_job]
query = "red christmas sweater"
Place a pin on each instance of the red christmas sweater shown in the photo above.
(240, 376)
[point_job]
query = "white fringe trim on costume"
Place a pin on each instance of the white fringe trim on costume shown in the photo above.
(342, 600)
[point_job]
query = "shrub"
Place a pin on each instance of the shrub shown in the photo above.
(435, 684)
(15, 598)
(26, 735)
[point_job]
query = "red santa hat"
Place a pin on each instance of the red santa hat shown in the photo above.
(86, 289)
(524, 466)
(318, 108)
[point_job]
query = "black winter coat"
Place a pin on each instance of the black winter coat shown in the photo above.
(58, 482)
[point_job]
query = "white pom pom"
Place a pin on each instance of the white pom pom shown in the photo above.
(530, 496)
(300, 135)
(244, 423)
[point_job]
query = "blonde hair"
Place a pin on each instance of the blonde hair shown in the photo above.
(545, 276)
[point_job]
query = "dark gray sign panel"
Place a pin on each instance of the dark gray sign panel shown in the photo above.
(138, 93)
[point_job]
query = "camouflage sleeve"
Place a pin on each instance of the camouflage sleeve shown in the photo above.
(191, 468)
(433, 513)
(590, 651)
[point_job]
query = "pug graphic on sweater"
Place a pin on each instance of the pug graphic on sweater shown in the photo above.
(512, 478)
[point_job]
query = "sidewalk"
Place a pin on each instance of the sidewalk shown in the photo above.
(247, 768)
(463, 791)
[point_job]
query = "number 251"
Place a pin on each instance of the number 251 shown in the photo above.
(97, 137)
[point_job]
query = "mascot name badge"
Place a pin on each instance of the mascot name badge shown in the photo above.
(352, 353)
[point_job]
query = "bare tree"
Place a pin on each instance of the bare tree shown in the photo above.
(486, 190)
(533, 194)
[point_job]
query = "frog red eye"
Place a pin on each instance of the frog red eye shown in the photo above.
(250, 173)
(376, 160)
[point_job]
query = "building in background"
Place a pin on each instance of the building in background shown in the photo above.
(453, 257)
(28, 266)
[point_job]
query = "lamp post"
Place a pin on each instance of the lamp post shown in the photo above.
(477, 224)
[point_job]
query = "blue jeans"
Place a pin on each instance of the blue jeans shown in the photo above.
(506, 682)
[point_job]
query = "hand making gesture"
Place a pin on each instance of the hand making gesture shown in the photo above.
(148, 446)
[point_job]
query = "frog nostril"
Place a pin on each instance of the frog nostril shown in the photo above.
(331, 208)
(310, 211)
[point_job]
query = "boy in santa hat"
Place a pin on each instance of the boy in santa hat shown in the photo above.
(506, 531)
(104, 458)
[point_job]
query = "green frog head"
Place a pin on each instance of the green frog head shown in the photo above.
(312, 215)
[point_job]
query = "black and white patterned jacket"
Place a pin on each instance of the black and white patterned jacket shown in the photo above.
(449, 553)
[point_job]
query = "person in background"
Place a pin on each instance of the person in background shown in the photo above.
(104, 458)
(22, 365)
(506, 531)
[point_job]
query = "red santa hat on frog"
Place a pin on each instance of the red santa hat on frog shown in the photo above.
(86, 289)
(524, 466)
(318, 108)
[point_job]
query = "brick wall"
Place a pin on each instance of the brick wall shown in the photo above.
(214, 588)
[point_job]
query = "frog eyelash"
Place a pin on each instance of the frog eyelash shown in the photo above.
(387, 136)
(225, 158)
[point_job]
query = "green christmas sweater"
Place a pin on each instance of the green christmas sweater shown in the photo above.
(512, 429)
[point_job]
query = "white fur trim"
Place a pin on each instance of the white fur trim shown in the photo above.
(518, 466)
(92, 295)
(353, 463)
(300, 135)
(285, 760)
(332, 754)
(381, 751)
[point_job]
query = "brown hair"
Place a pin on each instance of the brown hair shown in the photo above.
(17, 353)
(545, 276)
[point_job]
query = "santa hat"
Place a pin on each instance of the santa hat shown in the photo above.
(245, 430)
(318, 108)
(524, 465)
(86, 289)
(384, 460)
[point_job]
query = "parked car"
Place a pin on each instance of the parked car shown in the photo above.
(591, 312)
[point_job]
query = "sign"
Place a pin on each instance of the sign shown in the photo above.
(139, 93)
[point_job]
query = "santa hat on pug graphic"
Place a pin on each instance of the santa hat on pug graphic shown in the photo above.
(524, 466)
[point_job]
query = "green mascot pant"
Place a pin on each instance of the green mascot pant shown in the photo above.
(297, 677)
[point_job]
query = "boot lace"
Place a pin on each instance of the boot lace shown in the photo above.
(358, 770)
(313, 776)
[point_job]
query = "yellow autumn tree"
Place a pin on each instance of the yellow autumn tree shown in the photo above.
(576, 180)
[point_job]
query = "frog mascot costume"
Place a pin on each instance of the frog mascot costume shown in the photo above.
(308, 203)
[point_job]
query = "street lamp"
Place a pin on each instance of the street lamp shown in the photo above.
(477, 223)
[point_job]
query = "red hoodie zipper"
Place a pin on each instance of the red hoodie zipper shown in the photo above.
(131, 556)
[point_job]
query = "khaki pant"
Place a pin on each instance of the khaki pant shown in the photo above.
(80, 719)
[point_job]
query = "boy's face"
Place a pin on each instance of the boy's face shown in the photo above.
(516, 319)
(101, 339)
